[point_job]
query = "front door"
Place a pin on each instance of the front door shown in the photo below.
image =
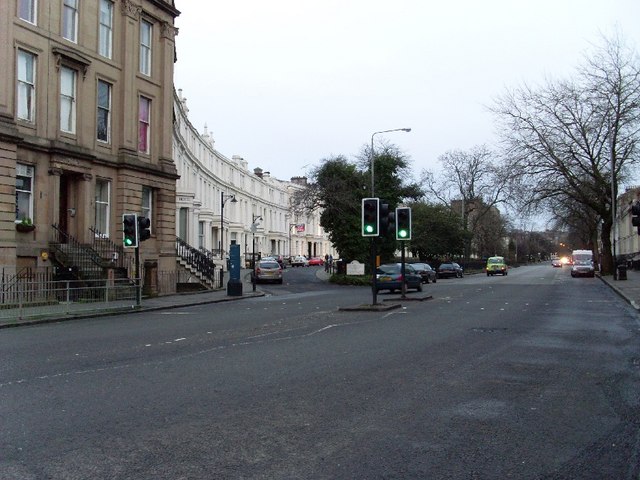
(67, 220)
(63, 222)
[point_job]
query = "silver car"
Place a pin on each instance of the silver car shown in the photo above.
(268, 271)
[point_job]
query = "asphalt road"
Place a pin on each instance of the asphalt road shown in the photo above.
(530, 376)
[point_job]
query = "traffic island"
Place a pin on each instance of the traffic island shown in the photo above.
(369, 307)
(409, 299)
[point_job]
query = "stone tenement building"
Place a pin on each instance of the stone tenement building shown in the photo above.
(86, 107)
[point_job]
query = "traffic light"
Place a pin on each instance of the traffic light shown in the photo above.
(387, 219)
(129, 230)
(635, 215)
(403, 223)
(143, 229)
(370, 219)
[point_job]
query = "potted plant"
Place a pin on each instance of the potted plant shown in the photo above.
(26, 225)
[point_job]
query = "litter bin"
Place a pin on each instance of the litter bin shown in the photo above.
(622, 272)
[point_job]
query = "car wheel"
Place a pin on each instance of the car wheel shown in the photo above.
(434, 279)
(426, 280)
(419, 288)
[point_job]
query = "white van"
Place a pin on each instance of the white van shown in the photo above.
(582, 264)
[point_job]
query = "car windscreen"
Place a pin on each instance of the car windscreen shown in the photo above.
(582, 259)
(388, 269)
(268, 265)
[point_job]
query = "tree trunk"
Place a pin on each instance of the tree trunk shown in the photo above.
(607, 257)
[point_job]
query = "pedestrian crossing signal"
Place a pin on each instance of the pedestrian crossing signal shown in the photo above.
(403, 223)
(129, 230)
(370, 218)
(144, 232)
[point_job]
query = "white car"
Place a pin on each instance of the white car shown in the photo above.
(299, 261)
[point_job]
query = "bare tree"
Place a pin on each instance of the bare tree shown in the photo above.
(472, 183)
(575, 141)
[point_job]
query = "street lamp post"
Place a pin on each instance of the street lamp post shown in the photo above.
(254, 227)
(290, 225)
(373, 156)
(223, 200)
(613, 202)
(373, 241)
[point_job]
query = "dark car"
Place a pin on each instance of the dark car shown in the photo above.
(389, 277)
(450, 270)
(427, 273)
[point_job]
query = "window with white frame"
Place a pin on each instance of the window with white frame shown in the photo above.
(144, 124)
(146, 35)
(26, 104)
(24, 192)
(70, 20)
(28, 10)
(68, 78)
(200, 234)
(103, 125)
(103, 195)
(147, 203)
(105, 29)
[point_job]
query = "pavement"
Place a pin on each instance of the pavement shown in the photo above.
(628, 289)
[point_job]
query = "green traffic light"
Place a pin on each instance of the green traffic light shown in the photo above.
(368, 228)
(402, 234)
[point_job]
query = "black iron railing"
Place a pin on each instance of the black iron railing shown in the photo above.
(209, 254)
(197, 260)
(69, 252)
(111, 253)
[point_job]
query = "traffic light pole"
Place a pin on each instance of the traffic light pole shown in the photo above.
(403, 273)
(374, 289)
(138, 286)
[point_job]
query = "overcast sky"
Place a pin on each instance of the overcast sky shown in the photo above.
(287, 83)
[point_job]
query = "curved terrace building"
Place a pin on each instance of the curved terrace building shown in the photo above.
(220, 201)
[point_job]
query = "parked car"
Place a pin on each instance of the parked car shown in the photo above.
(450, 270)
(427, 273)
(496, 265)
(389, 277)
(299, 261)
(268, 271)
(280, 259)
(316, 261)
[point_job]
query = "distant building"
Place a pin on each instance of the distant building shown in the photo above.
(625, 234)
(208, 178)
